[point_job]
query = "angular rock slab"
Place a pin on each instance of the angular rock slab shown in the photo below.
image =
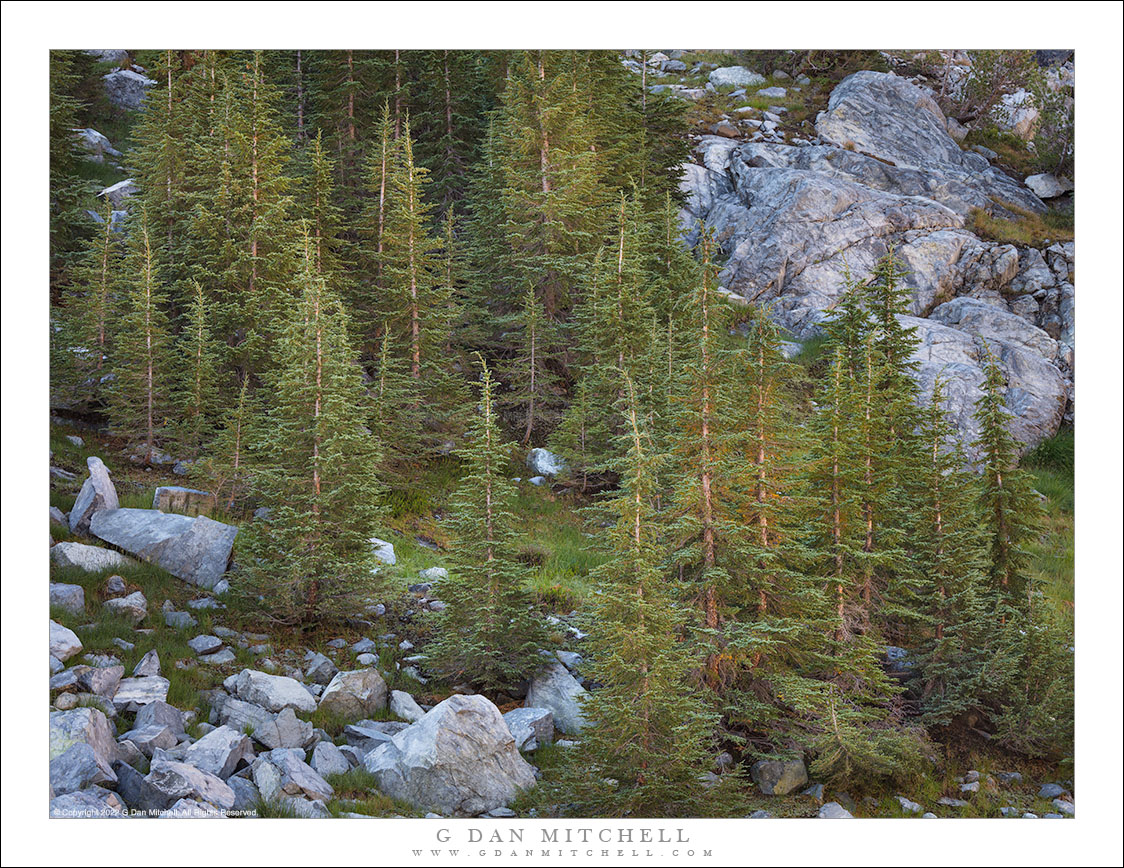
(97, 494)
(554, 688)
(72, 598)
(179, 780)
(64, 642)
(92, 559)
(184, 501)
(83, 726)
(272, 692)
(133, 693)
(196, 550)
(354, 695)
(530, 727)
(220, 752)
(460, 759)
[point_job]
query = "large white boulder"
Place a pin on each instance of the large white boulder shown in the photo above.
(460, 759)
(272, 692)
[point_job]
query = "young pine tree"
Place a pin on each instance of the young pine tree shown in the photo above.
(649, 738)
(198, 388)
(488, 635)
(141, 398)
(314, 470)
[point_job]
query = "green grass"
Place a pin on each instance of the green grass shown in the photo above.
(1011, 151)
(1025, 229)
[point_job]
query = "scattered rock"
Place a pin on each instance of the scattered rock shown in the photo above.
(150, 737)
(221, 752)
(283, 772)
(169, 781)
(554, 688)
(327, 759)
(97, 494)
(133, 608)
(530, 727)
(779, 777)
(92, 559)
(321, 670)
(357, 694)
(543, 462)
(735, 76)
(71, 598)
(1048, 186)
(126, 89)
(274, 692)
(404, 706)
(205, 644)
(64, 642)
(148, 665)
(909, 806)
(833, 811)
(134, 692)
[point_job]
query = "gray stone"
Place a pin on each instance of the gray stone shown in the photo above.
(221, 752)
(773, 92)
(92, 559)
(283, 772)
(171, 781)
(97, 494)
(834, 811)
(78, 767)
(459, 760)
(101, 680)
(327, 759)
(205, 644)
(148, 665)
(185, 501)
(283, 730)
(126, 89)
(735, 76)
(366, 735)
(433, 574)
(272, 692)
(133, 608)
(404, 706)
(150, 737)
(530, 727)
(321, 670)
(245, 793)
(180, 620)
(115, 585)
(64, 642)
(554, 688)
(383, 551)
(135, 692)
(572, 660)
(1063, 807)
(356, 694)
(87, 726)
(1051, 791)
(909, 806)
(59, 517)
(196, 550)
(1048, 186)
(94, 803)
(71, 598)
(190, 809)
(543, 462)
(949, 802)
(779, 777)
(160, 713)
(218, 658)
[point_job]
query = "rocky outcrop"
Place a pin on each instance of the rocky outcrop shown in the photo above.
(460, 759)
(196, 550)
(791, 222)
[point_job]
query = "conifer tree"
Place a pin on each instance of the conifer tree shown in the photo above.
(954, 651)
(227, 466)
(198, 393)
(649, 737)
(533, 388)
(314, 470)
(488, 635)
(1009, 509)
(66, 189)
(141, 397)
(706, 533)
